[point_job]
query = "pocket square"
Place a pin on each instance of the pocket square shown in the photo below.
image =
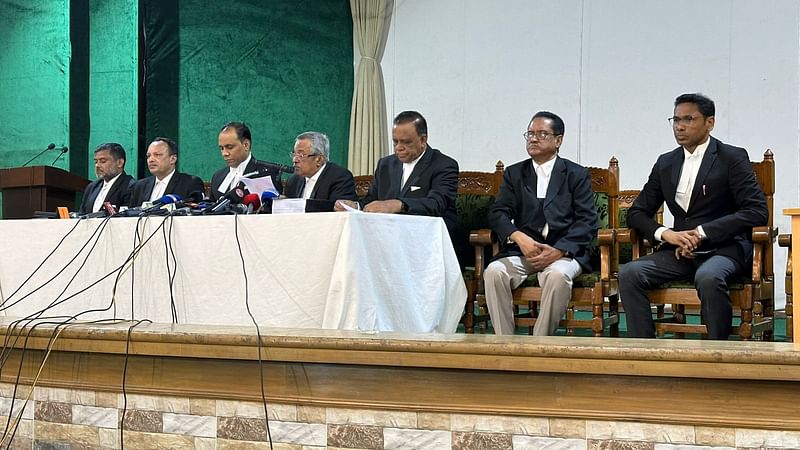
(415, 188)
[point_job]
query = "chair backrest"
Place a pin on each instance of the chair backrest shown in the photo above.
(605, 186)
(475, 196)
(363, 182)
(764, 171)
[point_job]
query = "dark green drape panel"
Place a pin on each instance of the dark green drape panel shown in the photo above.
(79, 87)
(281, 66)
(161, 46)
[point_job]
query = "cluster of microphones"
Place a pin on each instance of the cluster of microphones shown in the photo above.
(235, 201)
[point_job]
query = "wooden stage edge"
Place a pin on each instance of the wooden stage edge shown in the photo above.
(688, 382)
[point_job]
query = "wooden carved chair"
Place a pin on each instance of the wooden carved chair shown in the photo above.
(785, 240)
(363, 182)
(752, 296)
(591, 290)
(476, 194)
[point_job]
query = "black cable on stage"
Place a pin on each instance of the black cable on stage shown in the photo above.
(63, 238)
(59, 326)
(167, 234)
(136, 238)
(100, 228)
(31, 317)
(124, 380)
(38, 314)
(68, 320)
(258, 329)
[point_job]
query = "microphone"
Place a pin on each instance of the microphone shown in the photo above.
(62, 150)
(105, 211)
(49, 147)
(165, 200)
(109, 208)
(266, 167)
(266, 201)
(100, 213)
(233, 196)
(252, 202)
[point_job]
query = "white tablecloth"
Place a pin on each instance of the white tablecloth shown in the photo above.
(326, 270)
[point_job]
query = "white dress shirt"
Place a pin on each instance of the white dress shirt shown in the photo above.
(234, 173)
(311, 181)
(160, 187)
(543, 172)
(408, 168)
(101, 196)
(683, 192)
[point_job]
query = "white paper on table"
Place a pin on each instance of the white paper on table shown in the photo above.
(349, 208)
(288, 205)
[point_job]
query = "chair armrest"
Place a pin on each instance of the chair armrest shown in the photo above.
(626, 235)
(785, 240)
(764, 234)
(482, 237)
(606, 236)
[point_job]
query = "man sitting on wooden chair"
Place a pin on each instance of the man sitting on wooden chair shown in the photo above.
(710, 189)
(546, 217)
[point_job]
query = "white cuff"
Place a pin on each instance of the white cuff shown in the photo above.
(659, 232)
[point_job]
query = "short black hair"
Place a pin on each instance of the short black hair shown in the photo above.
(242, 131)
(558, 124)
(115, 150)
(704, 104)
(420, 124)
(172, 146)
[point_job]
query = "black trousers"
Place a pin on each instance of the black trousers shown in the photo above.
(710, 275)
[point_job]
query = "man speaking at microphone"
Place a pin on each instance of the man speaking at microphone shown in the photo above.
(234, 145)
(314, 176)
(113, 185)
(162, 160)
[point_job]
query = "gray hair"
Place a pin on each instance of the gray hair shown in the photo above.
(320, 144)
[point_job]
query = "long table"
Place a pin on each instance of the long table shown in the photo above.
(350, 271)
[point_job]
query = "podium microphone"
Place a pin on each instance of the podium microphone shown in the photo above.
(49, 147)
(62, 150)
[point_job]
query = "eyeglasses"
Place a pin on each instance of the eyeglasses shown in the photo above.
(687, 120)
(301, 156)
(540, 135)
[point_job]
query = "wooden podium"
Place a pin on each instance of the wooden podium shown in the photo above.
(794, 213)
(38, 188)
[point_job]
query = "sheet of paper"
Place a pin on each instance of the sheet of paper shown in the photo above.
(347, 208)
(259, 185)
(288, 205)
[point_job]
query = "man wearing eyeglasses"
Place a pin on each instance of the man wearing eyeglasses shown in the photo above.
(546, 218)
(314, 176)
(416, 179)
(710, 189)
(234, 146)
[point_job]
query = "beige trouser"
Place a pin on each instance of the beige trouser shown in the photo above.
(505, 274)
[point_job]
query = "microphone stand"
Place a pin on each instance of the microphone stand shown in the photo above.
(60, 154)
(49, 147)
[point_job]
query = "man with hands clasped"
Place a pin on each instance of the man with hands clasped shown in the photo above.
(546, 218)
(711, 191)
